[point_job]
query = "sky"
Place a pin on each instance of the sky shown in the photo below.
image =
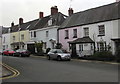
(12, 10)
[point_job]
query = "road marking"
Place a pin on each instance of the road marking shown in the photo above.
(82, 60)
(14, 71)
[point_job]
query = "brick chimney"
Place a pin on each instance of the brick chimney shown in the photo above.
(70, 11)
(20, 21)
(54, 10)
(41, 15)
(12, 24)
(117, 0)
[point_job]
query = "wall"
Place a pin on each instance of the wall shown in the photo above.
(18, 37)
(111, 31)
(41, 35)
(6, 43)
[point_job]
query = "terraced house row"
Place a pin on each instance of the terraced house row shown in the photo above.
(81, 33)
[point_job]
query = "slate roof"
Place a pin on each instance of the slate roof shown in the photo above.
(82, 40)
(5, 30)
(94, 15)
(57, 20)
(24, 26)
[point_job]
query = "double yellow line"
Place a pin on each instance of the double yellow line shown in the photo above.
(14, 71)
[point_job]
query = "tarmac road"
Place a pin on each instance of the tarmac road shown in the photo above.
(36, 69)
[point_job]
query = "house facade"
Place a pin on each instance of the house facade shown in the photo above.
(20, 34)
(92, 30)
(6, 38)
(46, 28)
(0, 38)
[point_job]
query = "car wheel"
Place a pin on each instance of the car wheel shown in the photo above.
(69, 59)
(59, 58)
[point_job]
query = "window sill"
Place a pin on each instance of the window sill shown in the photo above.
(74, 36)
(66, 37)
(101, 35)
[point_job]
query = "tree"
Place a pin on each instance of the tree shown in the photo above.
(39, 47)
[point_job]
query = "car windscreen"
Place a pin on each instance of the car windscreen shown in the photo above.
(59, 51)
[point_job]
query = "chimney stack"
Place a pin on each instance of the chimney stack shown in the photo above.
(20, 21)
(12, 24)
(54, 10)
(41, 15)
(117, 0)
(70, 11)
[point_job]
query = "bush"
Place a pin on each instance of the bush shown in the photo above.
(103, 55)
(39, 47)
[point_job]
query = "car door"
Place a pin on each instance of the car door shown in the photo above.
(55, 54)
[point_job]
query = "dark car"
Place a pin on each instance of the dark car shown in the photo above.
(22, 53)
(8, 52)
(58, 54)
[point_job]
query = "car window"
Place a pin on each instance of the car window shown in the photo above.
(59, 51)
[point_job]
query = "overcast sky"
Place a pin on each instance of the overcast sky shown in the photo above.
(12, 10)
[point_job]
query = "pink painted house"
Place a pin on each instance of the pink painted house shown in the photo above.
(91, 30)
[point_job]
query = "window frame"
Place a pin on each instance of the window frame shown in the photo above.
(22, 36)
(66, 34)
(86, 31)
(101, 29)
(34, 33)
(74, 33)
(47, 33)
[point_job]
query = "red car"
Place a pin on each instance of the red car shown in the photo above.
(8, 52)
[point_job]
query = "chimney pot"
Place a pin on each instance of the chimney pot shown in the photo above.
(12, 24)
(41, 15)
(20, 21)
(54, 10)
(70, 11)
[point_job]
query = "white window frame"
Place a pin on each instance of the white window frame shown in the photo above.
(86, 31)
(74, 33)
(101, 30)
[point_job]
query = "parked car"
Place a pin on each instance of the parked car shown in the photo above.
(8, 52)
(58, 54)
(22, 53)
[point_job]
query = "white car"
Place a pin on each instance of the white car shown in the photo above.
(58, 54)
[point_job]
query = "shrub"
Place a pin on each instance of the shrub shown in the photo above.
(39, 47)
(103, 55)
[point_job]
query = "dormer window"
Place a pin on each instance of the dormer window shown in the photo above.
(50, 22)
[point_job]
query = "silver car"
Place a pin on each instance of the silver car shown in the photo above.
(58, 54)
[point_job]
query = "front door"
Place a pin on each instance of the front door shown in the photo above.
(31, 48)
(74, 54)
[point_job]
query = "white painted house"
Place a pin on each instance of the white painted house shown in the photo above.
(93, 29)
(45, 29)
(6, 38)
(0, 38)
